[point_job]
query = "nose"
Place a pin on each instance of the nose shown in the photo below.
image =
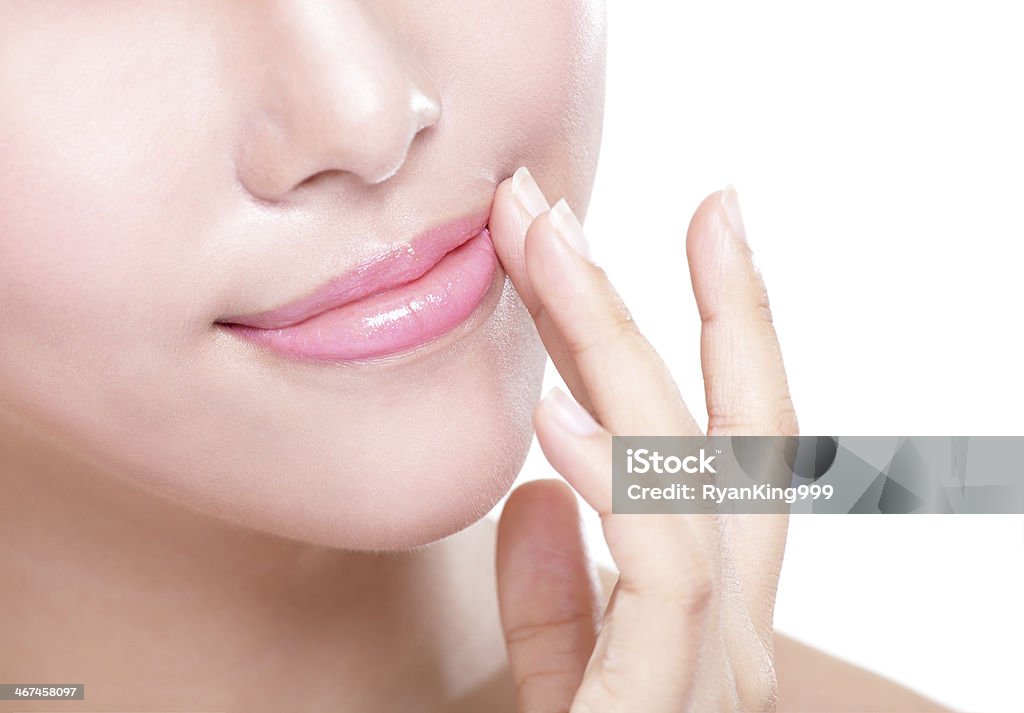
(336, 92)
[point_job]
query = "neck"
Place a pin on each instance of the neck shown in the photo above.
(144, 601)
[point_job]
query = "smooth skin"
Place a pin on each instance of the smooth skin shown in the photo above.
(179, 507)
(688, 626)
(448, 627)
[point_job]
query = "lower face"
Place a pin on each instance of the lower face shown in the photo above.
(127, 237)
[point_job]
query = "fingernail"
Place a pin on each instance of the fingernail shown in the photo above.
(565, 222)
(570, 415)
(528, 193)
(731, 204)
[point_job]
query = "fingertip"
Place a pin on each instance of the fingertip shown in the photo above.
(544, 425)
(539, 530)
(507, 226)
(568, 415)
(721, 262)
(556, 272)
(544, 498)
(708, 225)
(510, 221)
(579, 452)
(730, 202)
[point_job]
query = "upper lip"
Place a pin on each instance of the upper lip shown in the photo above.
(402, 264)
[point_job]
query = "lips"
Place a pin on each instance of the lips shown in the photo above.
(391, 303)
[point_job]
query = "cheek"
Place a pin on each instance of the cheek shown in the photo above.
(101, 218)
(525, 84)
(104, 196)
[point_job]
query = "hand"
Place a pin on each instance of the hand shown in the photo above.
(688, 626)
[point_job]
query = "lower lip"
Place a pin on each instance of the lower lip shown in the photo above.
(395, 321)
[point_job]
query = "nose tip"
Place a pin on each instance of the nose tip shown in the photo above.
(352, 103)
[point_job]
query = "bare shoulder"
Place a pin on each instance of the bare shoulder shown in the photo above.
(812, 681)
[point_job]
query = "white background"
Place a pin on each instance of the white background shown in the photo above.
(877, 150)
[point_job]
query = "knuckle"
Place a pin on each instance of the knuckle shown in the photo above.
(623, 325)
(727, 417)
(543, 676)
(723, 419)
(744, 309)
(611, 322)
(601, 693)
(521, 634)
(689, 590)
(762, 308)
(537, 311)
(758, 688)
(700, 581)
(769, 696)
(697, 596)
(760, 692)
(787, 423)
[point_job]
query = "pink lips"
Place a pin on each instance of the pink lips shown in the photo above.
(395, 302)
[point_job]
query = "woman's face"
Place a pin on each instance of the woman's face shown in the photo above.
(167, 165)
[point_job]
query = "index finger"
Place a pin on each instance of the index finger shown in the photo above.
(511, 217)
(585, 326)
